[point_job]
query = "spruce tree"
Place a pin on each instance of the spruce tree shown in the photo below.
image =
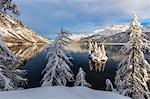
(57, 71)
(132, 75)
(80, 79)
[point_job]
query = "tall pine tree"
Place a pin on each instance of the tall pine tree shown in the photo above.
(57, 71)
(132, 75)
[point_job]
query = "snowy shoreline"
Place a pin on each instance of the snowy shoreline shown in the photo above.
(60, 92)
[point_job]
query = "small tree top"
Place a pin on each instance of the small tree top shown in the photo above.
(135, 22)
(80, 79)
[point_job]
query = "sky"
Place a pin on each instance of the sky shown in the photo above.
(79, 16)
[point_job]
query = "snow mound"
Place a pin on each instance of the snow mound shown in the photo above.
(59, 92)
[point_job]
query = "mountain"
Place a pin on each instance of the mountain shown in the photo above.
(117, 38)
(146, 28)
(77, 37)
(15, 32)
(103, 32)
(112, 34)
(110, 30)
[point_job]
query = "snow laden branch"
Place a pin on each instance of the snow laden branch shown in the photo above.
(9, 5)
(132, 75)
(7, 58)
(80, 79)
(57, 71)
(10, 77)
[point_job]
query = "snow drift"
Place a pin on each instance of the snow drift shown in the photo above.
(59, 92)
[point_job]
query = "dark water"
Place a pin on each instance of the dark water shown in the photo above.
(95, 78)
(34, 68)
(36, 64)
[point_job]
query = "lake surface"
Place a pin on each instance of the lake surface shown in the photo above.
(34, 60)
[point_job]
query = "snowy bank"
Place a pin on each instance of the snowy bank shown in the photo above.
(59, 92)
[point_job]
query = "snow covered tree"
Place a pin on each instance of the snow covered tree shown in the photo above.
(96, 47)
(9, 5)
(57, 71)
(109, 86)
(132, 75)
(80, 79)
(10, 77)
(90, 47)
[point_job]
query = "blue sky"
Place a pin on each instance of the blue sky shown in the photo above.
(79, 16)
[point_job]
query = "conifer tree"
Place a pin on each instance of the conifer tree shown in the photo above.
(132, 75)
(80, 79)
(10, 78)
(109, 86)
(57, 71)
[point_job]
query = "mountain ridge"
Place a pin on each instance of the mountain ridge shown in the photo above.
(14, 31)
(111, 34)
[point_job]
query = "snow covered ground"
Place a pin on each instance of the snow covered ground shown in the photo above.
(59, 92)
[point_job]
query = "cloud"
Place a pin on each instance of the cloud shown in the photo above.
(80, 15)
(83, 27)
(62, 14)
(99, 7)
(95, 6)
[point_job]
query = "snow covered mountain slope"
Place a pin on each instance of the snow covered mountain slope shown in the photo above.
(58, 92)
(122, 37)
(115, 29)
(146, 28)
(77, 37)
(108, 31)
(113, 34)
(111, 30)
(13, 31)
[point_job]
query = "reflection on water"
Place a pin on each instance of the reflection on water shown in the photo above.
(35, 62)
(77, 47)
(25, 52)
(97, 66)
(95, 78)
